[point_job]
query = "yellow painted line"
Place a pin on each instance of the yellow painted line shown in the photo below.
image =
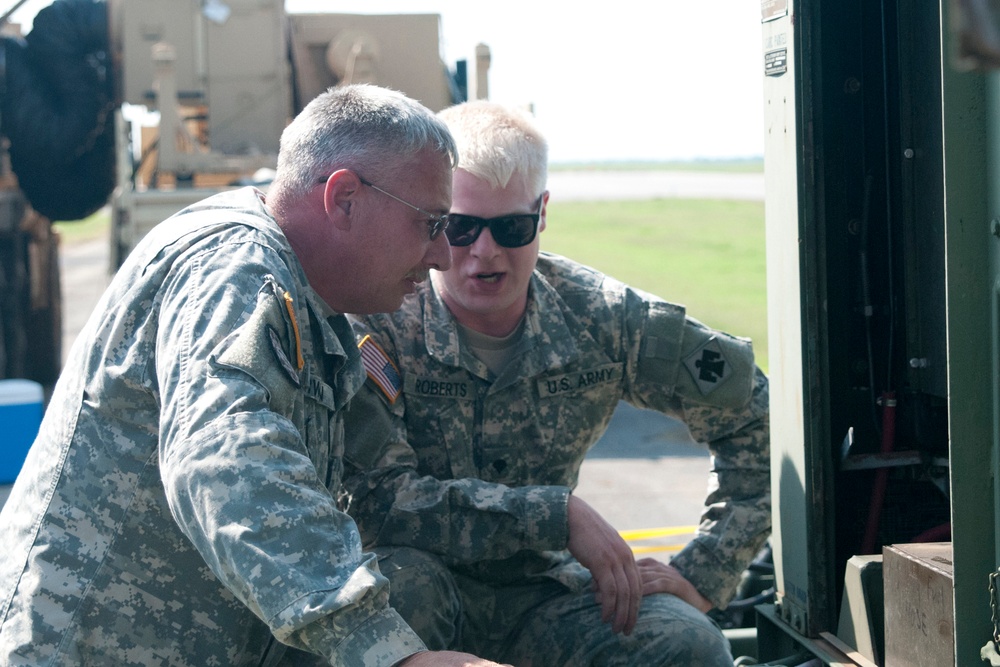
(665, 547)
(649, 533)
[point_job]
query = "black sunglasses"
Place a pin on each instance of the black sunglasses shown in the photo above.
(513, 230)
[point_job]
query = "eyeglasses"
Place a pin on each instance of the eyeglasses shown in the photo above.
(435, 223)
(513, 230)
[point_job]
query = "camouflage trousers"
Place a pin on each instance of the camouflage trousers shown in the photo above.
(542, 623)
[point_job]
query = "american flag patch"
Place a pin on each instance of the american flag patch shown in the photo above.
(380, 368)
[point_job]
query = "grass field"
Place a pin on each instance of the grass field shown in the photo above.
(748, 165)
(94, 226)
(705, 254)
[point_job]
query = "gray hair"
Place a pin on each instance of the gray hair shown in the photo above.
(495, 142)
(361, 127)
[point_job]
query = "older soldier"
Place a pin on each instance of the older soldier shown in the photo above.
(174, 508)
(486, 390)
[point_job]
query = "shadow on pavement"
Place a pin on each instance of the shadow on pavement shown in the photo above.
(635, 433)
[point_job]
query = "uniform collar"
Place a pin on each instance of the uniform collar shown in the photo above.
(546, 342)
(339, 345)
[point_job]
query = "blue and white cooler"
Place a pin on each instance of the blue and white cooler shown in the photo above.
(20, 417)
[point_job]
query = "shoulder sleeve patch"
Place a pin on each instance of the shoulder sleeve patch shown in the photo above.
(720, 368)
(262, 348)
(708, 366)
(681, 357)
(380, 368)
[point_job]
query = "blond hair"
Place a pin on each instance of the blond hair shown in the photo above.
(495, 142)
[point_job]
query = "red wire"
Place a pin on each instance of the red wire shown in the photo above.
(882, 474)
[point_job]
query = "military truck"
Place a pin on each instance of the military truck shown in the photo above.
(222, 99)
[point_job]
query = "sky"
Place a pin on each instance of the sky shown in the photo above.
(632, 80)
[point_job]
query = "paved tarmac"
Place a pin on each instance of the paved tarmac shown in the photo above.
(645, 473)
(619, 185)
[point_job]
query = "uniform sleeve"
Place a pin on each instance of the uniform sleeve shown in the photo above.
(736, 520)
(708, 379)
(463, 520)
(239, 476)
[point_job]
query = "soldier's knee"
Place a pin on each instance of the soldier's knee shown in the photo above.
(706, 646)
(675, 633)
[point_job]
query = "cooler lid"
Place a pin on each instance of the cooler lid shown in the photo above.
(16, 392)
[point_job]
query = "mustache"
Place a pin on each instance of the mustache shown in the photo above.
(418, 276)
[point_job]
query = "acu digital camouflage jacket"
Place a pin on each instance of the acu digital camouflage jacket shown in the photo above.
(174, 509)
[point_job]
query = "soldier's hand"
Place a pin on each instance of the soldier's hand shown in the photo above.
(658, 577)
(600, 549)
(446, 659)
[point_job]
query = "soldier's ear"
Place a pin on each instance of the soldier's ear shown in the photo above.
(340, 197)
(542, 211)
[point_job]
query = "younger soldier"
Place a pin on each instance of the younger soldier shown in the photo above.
(486, 390)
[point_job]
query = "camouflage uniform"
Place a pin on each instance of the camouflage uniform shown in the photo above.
(477, 469)
(174, 508)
